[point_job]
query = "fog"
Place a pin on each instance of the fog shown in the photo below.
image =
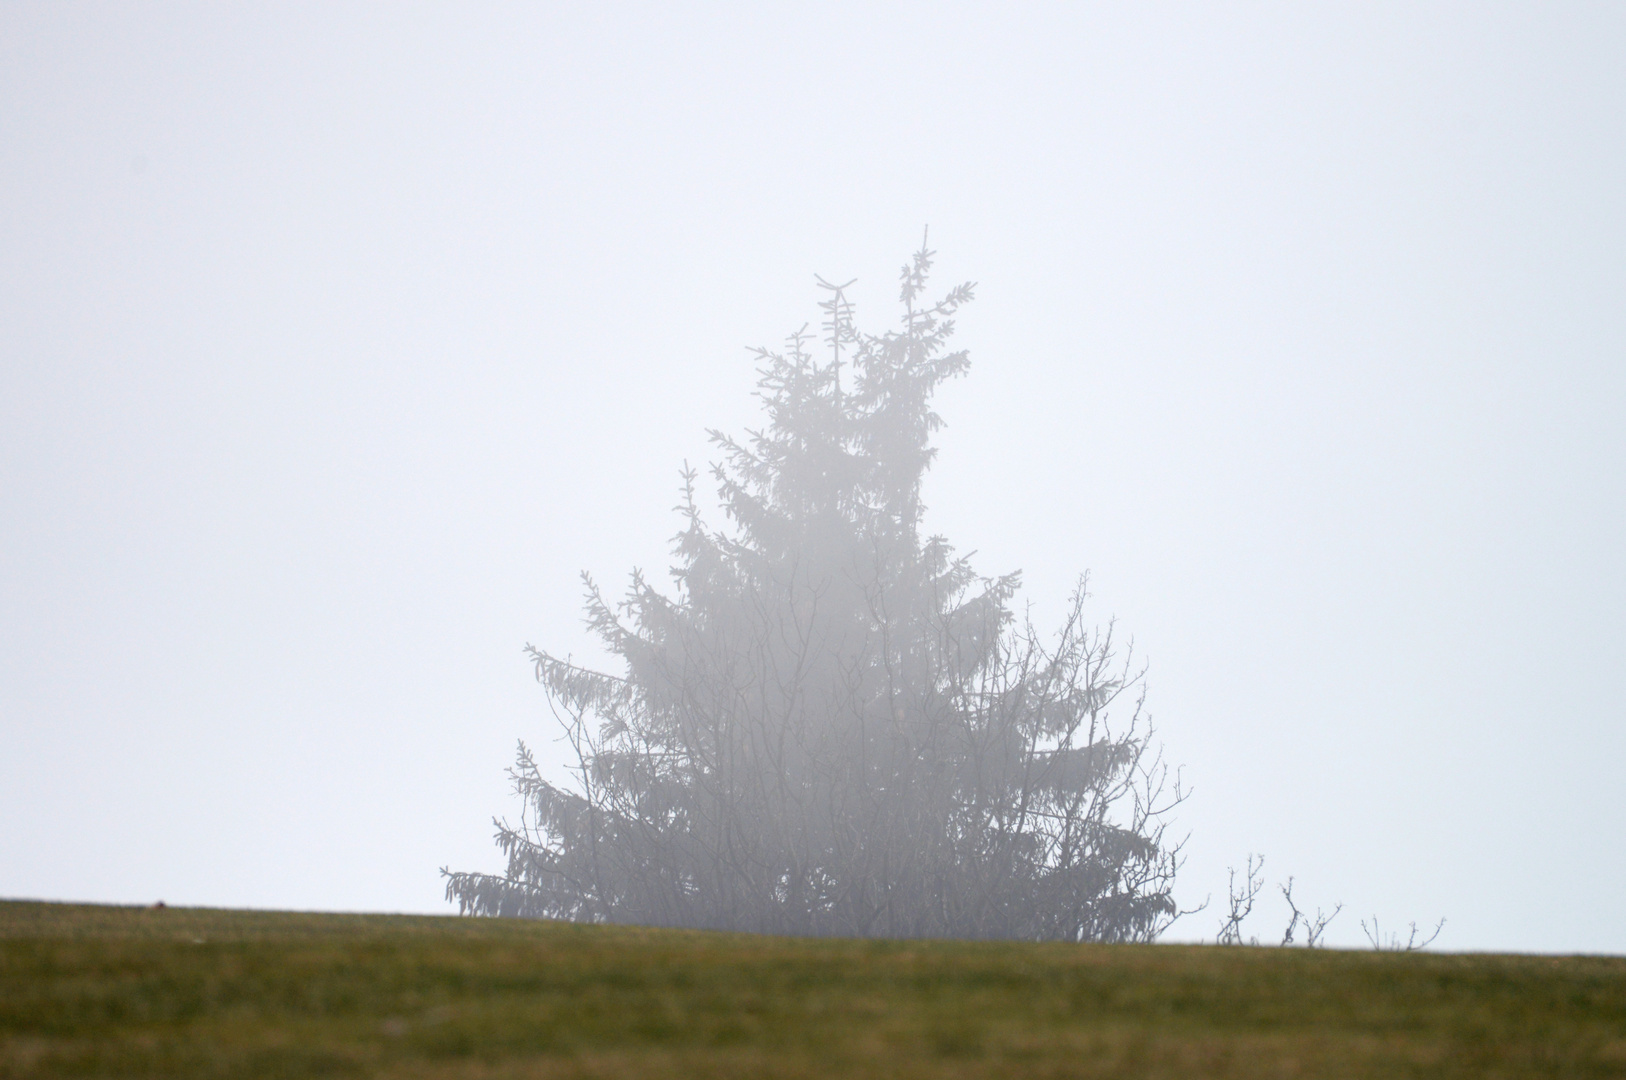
(335, 342)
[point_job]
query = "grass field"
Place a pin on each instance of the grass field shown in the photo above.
(130, 992)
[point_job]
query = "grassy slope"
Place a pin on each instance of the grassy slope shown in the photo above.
(186, 993)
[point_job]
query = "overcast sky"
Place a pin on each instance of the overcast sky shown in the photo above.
(335, 341)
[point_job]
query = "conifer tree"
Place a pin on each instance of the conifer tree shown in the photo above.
(830, 724)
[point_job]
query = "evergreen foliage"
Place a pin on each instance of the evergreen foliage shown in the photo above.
(831, 725)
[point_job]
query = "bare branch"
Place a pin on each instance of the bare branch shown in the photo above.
(1413, 942)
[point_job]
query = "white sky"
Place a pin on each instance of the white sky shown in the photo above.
(334, 343)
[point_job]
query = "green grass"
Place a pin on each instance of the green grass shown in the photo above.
(178, 993)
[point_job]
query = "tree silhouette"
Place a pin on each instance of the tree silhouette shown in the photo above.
(832, 725)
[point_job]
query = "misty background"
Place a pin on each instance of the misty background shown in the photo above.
(334, 342)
